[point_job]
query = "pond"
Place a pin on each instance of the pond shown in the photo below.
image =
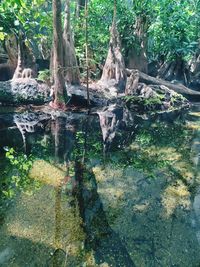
(105, 189)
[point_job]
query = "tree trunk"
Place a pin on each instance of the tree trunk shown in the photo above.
(80, 4)
(7, 69)
(60, 94)
(114, 68)
(26, 63)
(71, 71)
(132, 83)
(195, 69)
(20, 60)
(174, 70)
(11, 49)
(137, 54)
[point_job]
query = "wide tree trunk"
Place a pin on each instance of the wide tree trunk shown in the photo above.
(60, 94)
(174, 70)
(8, 58)
(24, 91)
(71, 70)
(11, 49)
(26, 63)
(195, 69)
(114, 68)
(137, 54)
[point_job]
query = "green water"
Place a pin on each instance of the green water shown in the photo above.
(107, 190)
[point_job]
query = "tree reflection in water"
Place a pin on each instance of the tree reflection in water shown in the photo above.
(93, 186)
(100, 238)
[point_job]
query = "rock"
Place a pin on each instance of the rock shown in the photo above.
(24, 91)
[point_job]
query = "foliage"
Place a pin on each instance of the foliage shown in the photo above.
(172, 27)
(88, 144)
(144, 104)
(16, 176)
(33, 18)
(44, 75)
(100, 16)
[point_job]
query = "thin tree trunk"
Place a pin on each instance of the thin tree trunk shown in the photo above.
(60, 93)
(80, 4)
(86, 50)
(20, 60)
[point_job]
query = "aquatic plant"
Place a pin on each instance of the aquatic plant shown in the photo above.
(16, 177)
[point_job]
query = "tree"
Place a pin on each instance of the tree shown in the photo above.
(137, 54)
(60, 94)
(114, 68)
(71, 70)
(173, 36)
(26, 64)
(80, 4)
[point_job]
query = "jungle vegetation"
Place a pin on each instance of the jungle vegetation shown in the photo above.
(68, 41)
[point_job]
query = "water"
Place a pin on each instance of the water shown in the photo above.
(112, 189)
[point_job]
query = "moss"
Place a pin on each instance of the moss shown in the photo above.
(143, 104)
(47, 173)
(175, 195)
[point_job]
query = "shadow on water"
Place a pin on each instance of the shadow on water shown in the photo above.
(100, 237)
(115, 191)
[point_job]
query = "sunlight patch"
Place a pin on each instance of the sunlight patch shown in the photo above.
(174, 196)
(47, 173)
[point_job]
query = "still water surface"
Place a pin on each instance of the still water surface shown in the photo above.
(111, 189)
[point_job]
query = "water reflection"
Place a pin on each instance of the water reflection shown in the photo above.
(106, 190)
(112, 119)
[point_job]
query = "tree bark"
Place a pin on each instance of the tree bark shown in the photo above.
(11, 49)
(114, 68)
(137, 54)
(20, 60)
(132, 83)
(71, 70)
(174, 70)
(80, 4)
(26, 63)
(195, 69)
(60, 94)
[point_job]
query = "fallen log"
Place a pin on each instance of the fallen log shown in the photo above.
(178, 88)
(24, 91)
